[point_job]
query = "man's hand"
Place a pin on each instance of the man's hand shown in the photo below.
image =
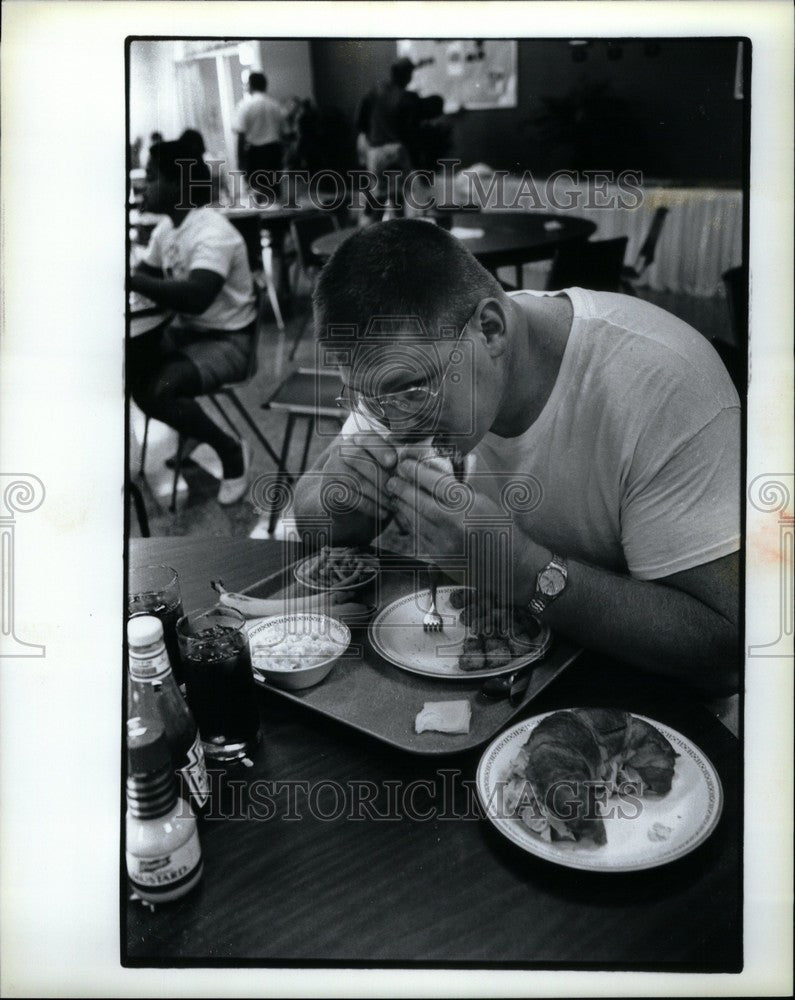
(363, 460)
(429, 504)
(346, 486)
(683, 626)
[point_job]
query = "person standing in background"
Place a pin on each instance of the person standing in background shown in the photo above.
(259, 122)
(388, 117)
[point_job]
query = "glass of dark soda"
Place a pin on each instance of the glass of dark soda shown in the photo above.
(154, 590)
(220, 684)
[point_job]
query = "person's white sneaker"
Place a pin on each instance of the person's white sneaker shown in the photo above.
(232, 490)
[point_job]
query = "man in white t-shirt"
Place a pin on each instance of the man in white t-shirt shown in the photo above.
(258, 122)
(601, 434)
(195, 265)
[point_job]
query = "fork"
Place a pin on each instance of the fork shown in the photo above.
(432, 622)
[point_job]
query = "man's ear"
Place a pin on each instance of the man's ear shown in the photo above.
(493, 324)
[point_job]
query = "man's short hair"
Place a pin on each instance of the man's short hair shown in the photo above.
(179, 162)
(257, 81)
(402, 268)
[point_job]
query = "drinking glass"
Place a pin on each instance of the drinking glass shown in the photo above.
(220, 684)
(154, 590)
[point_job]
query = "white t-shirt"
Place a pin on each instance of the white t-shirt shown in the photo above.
(206, 240)
(259, 118)
(635, 457)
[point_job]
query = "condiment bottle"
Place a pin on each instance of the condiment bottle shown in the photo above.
(153, 695)
(164, 859)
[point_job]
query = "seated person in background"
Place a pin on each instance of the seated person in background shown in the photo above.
(196, 265)
(622, 414)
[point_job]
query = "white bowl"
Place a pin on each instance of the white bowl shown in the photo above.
(282, 649)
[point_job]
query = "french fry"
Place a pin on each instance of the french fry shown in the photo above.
(337, 568)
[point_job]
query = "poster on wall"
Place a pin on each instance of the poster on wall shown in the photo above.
(472, 73)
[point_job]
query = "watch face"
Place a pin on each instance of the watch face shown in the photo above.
(551, 581)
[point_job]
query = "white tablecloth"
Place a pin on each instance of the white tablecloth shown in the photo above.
(701, 236)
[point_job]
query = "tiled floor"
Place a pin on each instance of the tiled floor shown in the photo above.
(199, 513)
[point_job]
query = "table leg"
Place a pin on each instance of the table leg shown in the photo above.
(140, 508)
(281, 276)
(281, 471)
(230, 395)
(307, 442)
(177, 470)
(142, 466)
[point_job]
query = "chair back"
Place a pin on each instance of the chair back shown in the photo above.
(250, 228)
(306, 230)
(595, 265)
(649, 245)
(735, 281)
(262, 304)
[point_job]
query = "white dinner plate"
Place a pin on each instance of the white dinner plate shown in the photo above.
(397, 634)
(690, 811)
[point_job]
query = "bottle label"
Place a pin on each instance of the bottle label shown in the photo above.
(150, 668)
(166, 872)
(194, 773)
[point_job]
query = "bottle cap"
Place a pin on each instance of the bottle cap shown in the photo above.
(144, 630)
(147, 748)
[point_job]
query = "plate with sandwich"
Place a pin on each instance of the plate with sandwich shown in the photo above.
(600, 790)
(474, 641)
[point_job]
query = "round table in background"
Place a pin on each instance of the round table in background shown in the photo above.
(496, 239)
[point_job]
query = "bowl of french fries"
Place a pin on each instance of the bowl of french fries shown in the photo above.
(336, 569)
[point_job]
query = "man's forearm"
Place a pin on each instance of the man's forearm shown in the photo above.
(650, 625)
(181, 296)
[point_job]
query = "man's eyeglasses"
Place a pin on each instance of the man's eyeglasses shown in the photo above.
(405, 404)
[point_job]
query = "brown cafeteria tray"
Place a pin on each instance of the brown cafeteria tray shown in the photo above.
(370, 694)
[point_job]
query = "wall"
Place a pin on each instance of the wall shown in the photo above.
(153, 83)
(287, 66)
(154, 103)
(671, 115)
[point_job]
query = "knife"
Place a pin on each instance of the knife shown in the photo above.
(512, 686)
(519, 684)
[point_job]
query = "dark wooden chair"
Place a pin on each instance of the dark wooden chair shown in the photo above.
(250, 228)
(632, 273)
(304, 233)
(735, 355)
(590, 264)
(735, 281)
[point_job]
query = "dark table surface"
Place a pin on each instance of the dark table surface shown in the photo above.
(508, 237)
(374, 884)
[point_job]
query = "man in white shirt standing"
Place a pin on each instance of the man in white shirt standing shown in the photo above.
(259, 123)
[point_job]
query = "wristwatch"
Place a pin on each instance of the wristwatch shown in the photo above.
(550, 584)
